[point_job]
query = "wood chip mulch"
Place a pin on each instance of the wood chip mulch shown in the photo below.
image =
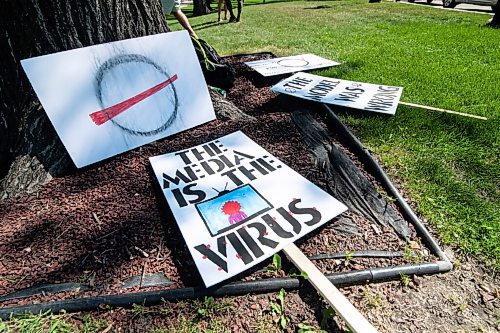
(108, 222)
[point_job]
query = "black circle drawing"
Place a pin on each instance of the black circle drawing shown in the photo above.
(293, 62)
(115, 61)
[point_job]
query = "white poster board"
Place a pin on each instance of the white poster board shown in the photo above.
(109, 98)
(284, 65)
(237, 205)
(358, 95)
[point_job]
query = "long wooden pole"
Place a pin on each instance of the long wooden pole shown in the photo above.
(353, 318)
(425, 107)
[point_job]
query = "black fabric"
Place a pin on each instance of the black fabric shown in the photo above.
(217, 71)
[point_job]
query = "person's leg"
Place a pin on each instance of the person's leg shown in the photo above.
(240, 7)
(218, 10)
(225, 11)
(230, 9)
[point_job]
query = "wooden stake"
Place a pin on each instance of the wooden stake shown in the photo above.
(97, 220)
(107, 329)
(142, 275)
(353, 318)
(425, 107)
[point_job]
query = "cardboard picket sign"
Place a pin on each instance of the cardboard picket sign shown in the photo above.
(109, 98)
(237, 205)
(358, 95)
(292, 64)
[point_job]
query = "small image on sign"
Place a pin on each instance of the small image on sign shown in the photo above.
(232, 208)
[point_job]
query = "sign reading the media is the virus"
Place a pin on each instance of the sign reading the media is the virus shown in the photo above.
(292, 64)
(237, 205)
(109, 98)
(358, 95)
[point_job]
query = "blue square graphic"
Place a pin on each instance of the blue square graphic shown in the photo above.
(230, 209)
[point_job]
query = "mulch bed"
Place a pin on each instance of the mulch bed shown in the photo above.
(108, 222)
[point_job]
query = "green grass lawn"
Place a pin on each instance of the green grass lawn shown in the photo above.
(449, 164)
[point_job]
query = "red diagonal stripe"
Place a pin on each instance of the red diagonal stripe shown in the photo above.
(102, 116)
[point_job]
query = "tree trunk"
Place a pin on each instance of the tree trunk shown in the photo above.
(30, 150)
(201, 7)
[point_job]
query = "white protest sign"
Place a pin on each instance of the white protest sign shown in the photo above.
(109, 98)
(237, 205)
(358, 95)
(284, 65)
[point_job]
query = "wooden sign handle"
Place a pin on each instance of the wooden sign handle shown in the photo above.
(353, 318)
(425, 107)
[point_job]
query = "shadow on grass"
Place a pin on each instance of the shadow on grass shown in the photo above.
(344, 69)
(319, 7)
(493, 25)
(205, 25)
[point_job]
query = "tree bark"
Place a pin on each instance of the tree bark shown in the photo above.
(30, 150)
(201, 7)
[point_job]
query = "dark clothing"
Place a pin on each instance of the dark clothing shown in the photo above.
(209, 3)
(229, 7)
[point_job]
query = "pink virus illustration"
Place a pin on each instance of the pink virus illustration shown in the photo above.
(233, 209)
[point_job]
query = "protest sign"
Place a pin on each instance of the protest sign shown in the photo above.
(358, 95)
(284, 65)
(237, 205)
(109, 98)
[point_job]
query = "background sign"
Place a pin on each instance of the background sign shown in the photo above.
(109, 98)
(277, 66)
(358, 95)
(237, 205)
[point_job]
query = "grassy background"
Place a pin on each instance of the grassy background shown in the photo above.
(448, 164)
